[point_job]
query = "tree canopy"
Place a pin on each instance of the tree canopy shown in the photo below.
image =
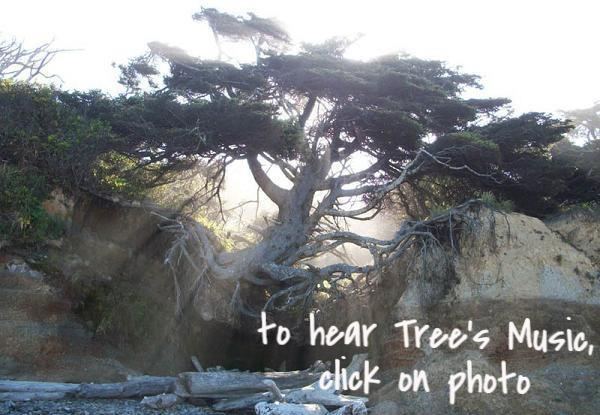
(587, 122)
(311, 113)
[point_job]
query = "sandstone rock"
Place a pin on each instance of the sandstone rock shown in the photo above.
(117, 253)
(512, 267)
(511, 257)
(42, 339)
(580, 228)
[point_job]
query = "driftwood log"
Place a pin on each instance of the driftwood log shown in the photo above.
(296, 396)
(311, 394)
(213, 385)
(133, 388)
(226, 384)
(264, 408)
(278, 408)
(286, 393)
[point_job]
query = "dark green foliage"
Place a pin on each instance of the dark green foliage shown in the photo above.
(127, 144)
(240, 28)
(516, 153)
(388, 108)
(583, 182)
(389, 104)
(491, 201)
(165, 130)
(23, 221)
(468, 148)
(52, 132)
(529, 176)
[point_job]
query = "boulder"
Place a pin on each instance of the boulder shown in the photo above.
(510, 257)
(506, 268)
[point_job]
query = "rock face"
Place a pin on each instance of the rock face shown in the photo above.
(41, 338)
(514, 257)
(581, 229)
(117, 253)
(509, 268)
(104, 296)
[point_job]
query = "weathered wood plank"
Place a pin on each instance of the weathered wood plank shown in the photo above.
(25, 386)
(323, 397)
(227, 384)
(264, 408)
(222, 384)
(133, 388)
(244, 402)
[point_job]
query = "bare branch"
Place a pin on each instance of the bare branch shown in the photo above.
(289, 171)
(351, 178)
(378, 192)
(277, 194)
(446, 162)
(18, 62)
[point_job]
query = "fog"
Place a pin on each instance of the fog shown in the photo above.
(536, 53)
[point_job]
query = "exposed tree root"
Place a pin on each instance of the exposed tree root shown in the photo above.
(293, 281)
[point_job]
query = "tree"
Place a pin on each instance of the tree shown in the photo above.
(528, 176)
(261, 32)
(587, 122)
(583, 183)
(310, 114)
(19, 62)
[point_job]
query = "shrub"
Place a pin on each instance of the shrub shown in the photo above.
(69, 138)
(490, 200)
(23, 221)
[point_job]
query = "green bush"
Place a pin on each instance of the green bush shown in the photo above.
(23, 221)
(490, 200)
(46, 129)
(69, 137)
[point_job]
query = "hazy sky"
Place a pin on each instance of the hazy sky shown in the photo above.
(541, 54)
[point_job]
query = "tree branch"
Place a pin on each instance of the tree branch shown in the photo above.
(308, 109)
(277, 194)
(17, 62)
